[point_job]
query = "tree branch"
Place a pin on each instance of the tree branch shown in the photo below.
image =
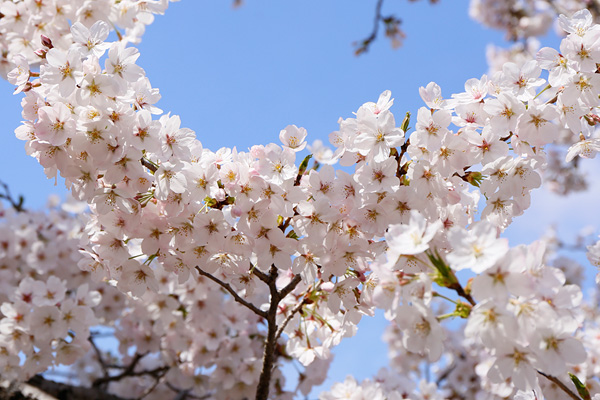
(261, 275)
(561, 385)
(287, 319)
(16, 204)
(127, 372)
(365, 43)
(236, 296)
(65, 391)
(262, 390)
(157, 379)
(101, 361)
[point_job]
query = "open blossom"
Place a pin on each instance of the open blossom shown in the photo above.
(432, 96)
(63, 69)
(293, 137)
(19, 76)
(536, 125)
(422, 332)
(91, 41)
(378, 134)
(411, 238)
(587, 146)
(55, 124)
(477, 248)
(175, 141)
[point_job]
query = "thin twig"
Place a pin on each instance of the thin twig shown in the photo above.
(157, 380)
(287, 319)
(365, 43)
(561, 385)
(236, 296)
(103, 364)
(16, 204)
(185, 394)
(461, 292)
(127, 372)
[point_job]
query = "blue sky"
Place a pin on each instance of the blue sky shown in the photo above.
(239, 76)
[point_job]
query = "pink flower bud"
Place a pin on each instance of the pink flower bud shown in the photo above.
(46, 41)
(41, 53)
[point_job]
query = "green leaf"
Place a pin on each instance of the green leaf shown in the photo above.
(302, 168)
(581, 389)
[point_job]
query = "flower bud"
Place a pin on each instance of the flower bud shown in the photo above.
(41, 53)
(46, 41)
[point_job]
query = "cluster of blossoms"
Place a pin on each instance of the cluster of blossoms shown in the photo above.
(24, 21)
(480, 359)
(49, 305)
(522, 19)
(46, 304)
(183, 232)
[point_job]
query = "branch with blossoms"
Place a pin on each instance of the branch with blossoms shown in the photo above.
(174, 227)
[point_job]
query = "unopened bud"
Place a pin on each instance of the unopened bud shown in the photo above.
(361, 276)
(27, 87)
(41, 53)
(46, 41)
(474, 178)
(405, 122)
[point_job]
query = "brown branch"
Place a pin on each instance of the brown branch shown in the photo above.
(461, 292)
(128, 371)
(561, 385)
(16, 204)
(157, 379)
(287, 319)
(273, 331)
(146, 163)
(289, 287)
(236, 296)
(101, 361)
(365, 43)
(65, 391)
(261, 275)
(262, 390)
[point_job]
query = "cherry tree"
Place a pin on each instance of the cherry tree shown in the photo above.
(214, 269)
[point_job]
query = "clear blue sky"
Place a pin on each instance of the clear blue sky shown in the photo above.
(237, 77)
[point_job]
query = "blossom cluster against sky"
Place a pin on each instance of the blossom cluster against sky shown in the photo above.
(237, 77)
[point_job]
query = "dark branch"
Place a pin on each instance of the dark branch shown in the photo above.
(290, 286)
(262, 390)
(365, 43)
(128, 371)
(261, 275)
(16, 204)
(101, 361)
(294, 311)
(158, 377)
(561, 385)
(67, 392)
(148, 164)
(236, 296)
